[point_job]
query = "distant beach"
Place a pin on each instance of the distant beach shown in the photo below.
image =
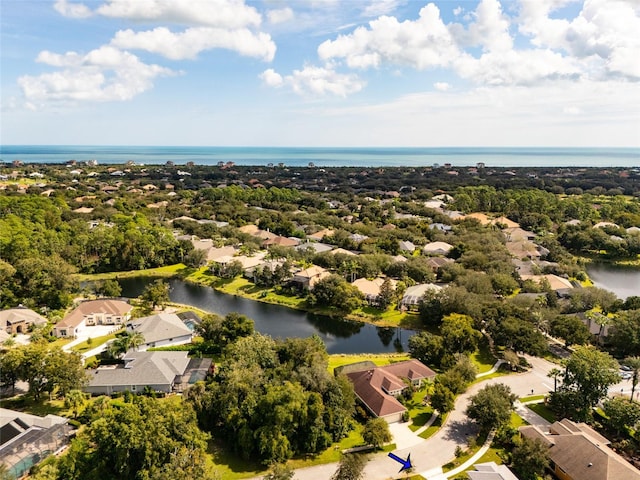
(328, 157)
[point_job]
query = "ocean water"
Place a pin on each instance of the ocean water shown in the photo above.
(328, 157)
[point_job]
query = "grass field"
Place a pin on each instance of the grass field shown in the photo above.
(164, 272)
(341, 359)
(95, 342)
(483, 358)
(542, 410)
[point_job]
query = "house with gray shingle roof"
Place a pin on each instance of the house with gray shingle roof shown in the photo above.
(161, 330)
(159, 371)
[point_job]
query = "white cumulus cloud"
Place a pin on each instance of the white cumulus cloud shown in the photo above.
(280, 15)
(73, 10)
(271, 78)
(187, 44)
(229, 14)
(315, 81)
(104, 74)
(422, 43)
(442, 86)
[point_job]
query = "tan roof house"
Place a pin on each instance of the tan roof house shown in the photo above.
(506, 222)
(18, 320)
(481, 217)
(318, 236)
(94, 312)
(377, 388)
(308, 277)
(281, 241)
(371, 288)
(437, 248)
(558, 284)
(577, 452)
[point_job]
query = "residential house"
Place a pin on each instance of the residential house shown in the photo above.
(163, 372)
(160, 330)
(26, 439)
(316, 247)
(605, 224)
(376, 388)
(106, 311)
(406, 246)
(213, 252)
(436, 263)
(517, 234)
(560, 285)
(342, 251)
(442, 227)
(481, 217)
(319, 236)
(578, 452)
(357, 237)
(281, 241)
(307, 278)
(371, 288)
(19, 320)
(413, 295)
(506, 222)
(437, 248)
(490, 471)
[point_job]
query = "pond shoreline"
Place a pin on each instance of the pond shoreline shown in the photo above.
(194, 276)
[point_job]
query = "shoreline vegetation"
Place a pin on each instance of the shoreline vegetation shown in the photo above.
(244, 288)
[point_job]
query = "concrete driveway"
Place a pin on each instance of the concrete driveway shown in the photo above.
(429, 455)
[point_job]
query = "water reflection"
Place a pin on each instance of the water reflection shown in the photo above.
(339, 335)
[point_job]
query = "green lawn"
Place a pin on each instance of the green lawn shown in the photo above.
(95, 342)
(338, 360)
(26, 403)
(165, 272)
(532, 398)
(542, 410)
(419, 413)
(435, 426)
(483, 358)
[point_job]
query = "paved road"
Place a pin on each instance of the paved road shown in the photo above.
(439, 449)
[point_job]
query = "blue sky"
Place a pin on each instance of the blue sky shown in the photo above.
(321, 72)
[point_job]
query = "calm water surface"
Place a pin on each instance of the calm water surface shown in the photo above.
(623, 281)
(340, 336)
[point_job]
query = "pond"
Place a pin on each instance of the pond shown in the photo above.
(340, 336)
(623, 281)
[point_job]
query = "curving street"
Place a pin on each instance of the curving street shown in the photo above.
(429, 455)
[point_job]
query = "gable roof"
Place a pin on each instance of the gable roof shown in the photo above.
(414, 294)
(142, 368)
(162, 326)
(582, 453)
(437, 247)
(109, 306)
(20, 314)
(373, 384)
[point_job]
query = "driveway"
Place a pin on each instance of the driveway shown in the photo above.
(429, 455)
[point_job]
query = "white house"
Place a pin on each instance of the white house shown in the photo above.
(437, 248)
(94, 312)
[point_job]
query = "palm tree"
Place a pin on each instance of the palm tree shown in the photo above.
(634, 364)
(554, 373)
(125, 342)
(135, 340)
(75, 400)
